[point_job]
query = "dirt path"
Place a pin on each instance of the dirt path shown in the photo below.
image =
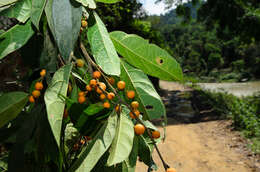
(203, 147)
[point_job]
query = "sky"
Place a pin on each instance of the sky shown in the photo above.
(152, 8)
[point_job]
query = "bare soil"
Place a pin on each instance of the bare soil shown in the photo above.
(204, 147)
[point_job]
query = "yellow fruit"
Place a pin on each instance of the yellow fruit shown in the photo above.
(88, 88)
(81, 99)
(106, 105)
(111, 80)
(137, 113)
(43, 72)
(80, 63)
(117, 108)
(36, 93)
(110, 96)
(102, 96)
(171, 170)
(130, 94)
(96, 75)
(31, 99)
(121, 85)
(135, 104)
(84, 23)
(156, 134)
(93, 83)
(81, 93)
(38, 86)
(139, 129)
(101, 85)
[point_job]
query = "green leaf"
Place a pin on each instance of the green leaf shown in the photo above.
(15, 38)
(88, 3)
(7, 2)
(130, 163)
(145, 151)
(54, 103)
(97, 147)
(94, 108)
(102, 47)
(64, 18)
(20, 10)
(36, 12)
(11, 104)
(150, 58)
(149, 100)
(123, 141)
(108, 1)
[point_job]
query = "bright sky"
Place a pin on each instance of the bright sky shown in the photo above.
(152, 8)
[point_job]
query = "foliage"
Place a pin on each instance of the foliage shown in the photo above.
(244, 111)
(62, 124)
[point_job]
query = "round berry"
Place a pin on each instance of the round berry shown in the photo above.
(135, 104)
(102, 96)
(84, 23)
(96, 75)
(80, 63)
(110, 96)
(137, 113)
(106, 105)
(156, 134)
(43, 72)
(36, 93)
(81, 99)
(88, 88)
(130, 94)
(121, 85)
(38, 86)
(139, 129)
(93, 83)
(31, 99)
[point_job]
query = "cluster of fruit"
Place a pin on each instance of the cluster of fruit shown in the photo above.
(38, 87)
(100, 88)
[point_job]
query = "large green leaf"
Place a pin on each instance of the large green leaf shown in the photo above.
(64, 18)
(54, 102)
(36, 12)
(102, 47)
(93, 109)
(21, 10)
(150, 58)
(6, 2)
(108, 1)
(11, 104)
(97, 147)
(130, 163)
(150, 102)
(88, 3)
(15, 38)
(123, 141)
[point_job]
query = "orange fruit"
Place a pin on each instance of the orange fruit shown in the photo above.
(121, 85)
(80, 62)
(93, 83)
(101, 85)
(43, 72)
(81, 93)
(111, 80)
(137, 113)
(171, 170)
(96, 74)
(82, 141)
(38, 86)
(84, 23)
(102, 96)
(130, 94)
(88, 88)
(117, 108)
(139, 129)
(106, 105)
(36, 93)
(110, 96)
(69, 88)
(31, 99)
(135, 104)
(156, 134)
(65, 114)
(81, 99)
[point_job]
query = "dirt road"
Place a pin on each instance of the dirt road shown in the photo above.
(204, 147)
